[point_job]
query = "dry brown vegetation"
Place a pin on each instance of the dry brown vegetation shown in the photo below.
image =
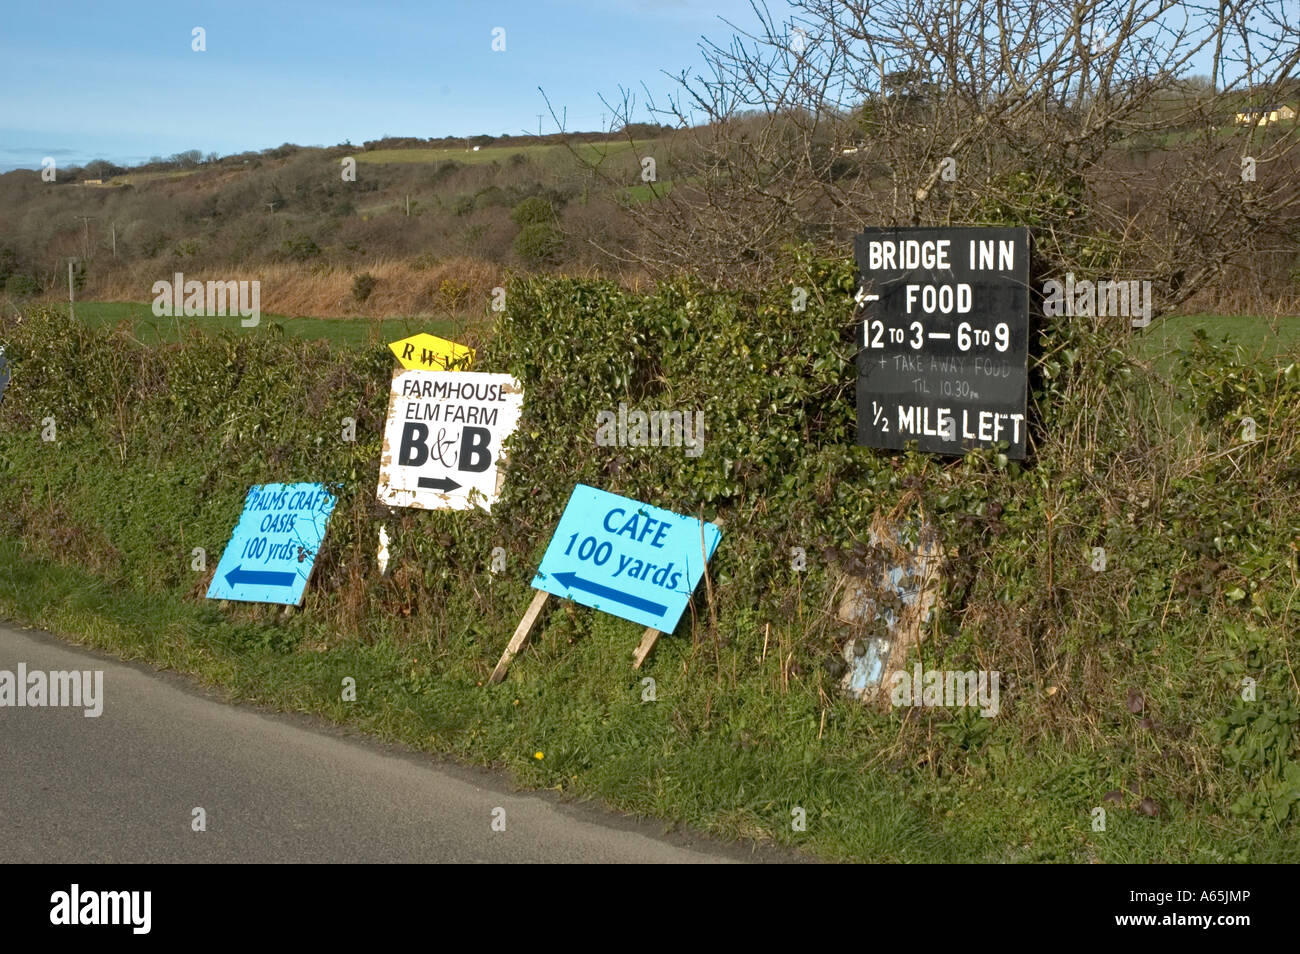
(1083, 119)
(436, 235)
(402, 287)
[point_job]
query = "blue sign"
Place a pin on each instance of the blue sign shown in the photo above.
(626, 558)
(273, 549)
(4, 372)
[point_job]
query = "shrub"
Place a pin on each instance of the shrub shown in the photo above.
(19, 285)
(9, 264)
(363, 285)
(539, 245)
(533, 211)
(490, 196)
(1199, 593)
(452, 293)
(300, 248)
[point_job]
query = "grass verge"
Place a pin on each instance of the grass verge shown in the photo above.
(739, 775)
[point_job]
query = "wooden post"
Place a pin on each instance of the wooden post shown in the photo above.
(521, 635)
(517, 641)
(648, 640)
(651, 635)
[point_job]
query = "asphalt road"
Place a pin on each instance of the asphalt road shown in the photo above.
(275, 788)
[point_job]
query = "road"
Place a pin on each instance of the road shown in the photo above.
(123, 787)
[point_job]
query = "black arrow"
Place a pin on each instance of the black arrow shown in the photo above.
(575, 582)
(437, 483)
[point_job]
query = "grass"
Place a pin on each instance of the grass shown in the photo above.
(588, 151)
(735, 740)
(150, 330)
(488, 154)
(138, 178)
(604, 742)
(646, 192)
(1274, 339)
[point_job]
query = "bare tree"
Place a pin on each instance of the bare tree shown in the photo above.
(1080, 118)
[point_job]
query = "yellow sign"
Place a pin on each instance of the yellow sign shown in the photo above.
(431, 353)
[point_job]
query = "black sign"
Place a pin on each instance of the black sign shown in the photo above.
(4, 372)
(945, 337)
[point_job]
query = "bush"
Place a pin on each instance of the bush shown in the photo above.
(539, 245)
(533, 211)
(490, 196)
(9, 265)
(22, 286)
(1198, 594)
(452, 293)
(300, 248)
(363, 285)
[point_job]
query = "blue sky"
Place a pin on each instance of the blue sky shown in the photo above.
(120, 81)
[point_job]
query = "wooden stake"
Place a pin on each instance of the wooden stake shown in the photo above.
(521, 635)
(651, 635)
(648, 640)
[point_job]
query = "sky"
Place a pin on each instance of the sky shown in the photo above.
(84, 81)
(123, 82)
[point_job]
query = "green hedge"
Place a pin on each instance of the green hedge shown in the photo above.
(158, 446)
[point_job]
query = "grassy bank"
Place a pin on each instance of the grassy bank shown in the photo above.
(1121, 688)
(736, 772)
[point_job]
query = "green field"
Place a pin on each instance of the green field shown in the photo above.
(1275, 338)
(587, 151)
(151, 330)
(138, 178)
(646, 192)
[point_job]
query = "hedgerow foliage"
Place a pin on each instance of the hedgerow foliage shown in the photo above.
(1137, 669)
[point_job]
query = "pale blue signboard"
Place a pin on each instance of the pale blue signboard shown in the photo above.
(626, 558)
(271, 553)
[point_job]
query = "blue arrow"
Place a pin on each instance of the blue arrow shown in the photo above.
(253, 577)
(575, 582)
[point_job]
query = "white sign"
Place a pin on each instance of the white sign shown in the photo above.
(442, 441)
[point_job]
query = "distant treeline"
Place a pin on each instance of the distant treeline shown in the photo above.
(633, 130)
(194, 158)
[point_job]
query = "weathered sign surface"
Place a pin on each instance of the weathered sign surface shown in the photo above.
(443, 438)
(890, 603)
(945, 336)
(432, 353)
(271, 554)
